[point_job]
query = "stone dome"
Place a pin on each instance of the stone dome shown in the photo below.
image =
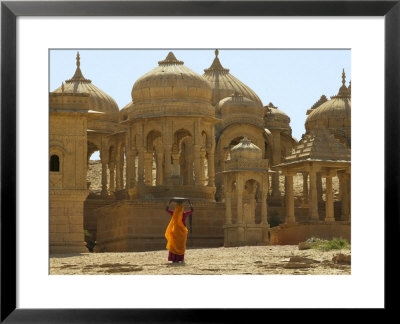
(124, 112)
(273, 114)
(98, 100)
(246, 150)
(171, 80)
(236, 103)
(225, 84)
(275, 118)
(334, 114)
(321, 100)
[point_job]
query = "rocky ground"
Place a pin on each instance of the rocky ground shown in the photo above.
(252, 260)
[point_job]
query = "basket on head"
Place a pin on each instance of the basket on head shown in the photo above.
(179, 199)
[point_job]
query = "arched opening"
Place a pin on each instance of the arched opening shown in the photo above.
(120, 167)
(54, 163)
(182, 154)
(250, 195)
(94, 169)
(186, 161)
(111, 168)
(153, 159)
(204, 159)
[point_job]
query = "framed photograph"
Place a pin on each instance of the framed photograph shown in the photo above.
(37, 37)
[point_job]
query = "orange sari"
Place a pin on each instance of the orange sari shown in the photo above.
(176, 233)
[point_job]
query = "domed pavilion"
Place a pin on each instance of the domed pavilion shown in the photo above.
(171, 127)
(333, 114)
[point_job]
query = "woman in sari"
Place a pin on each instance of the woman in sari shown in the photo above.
(176, 233)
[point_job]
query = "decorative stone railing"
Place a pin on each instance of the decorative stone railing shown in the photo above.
(245, 164)
(69, 101)
(172, 109)
(258, 122)
(165, 192)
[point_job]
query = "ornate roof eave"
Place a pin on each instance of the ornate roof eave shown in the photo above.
(310, 160)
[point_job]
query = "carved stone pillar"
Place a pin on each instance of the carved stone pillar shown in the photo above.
(167, 164)
(228, 201)
(276, 159)
(187, 165)
(340, 176)
(104, 191)
(148, 168)
(197, 165)
(305, 187)
(176, 168)
(130, 170)
(346, 197)
(140, 153)
(252, 204)
(239, 191)
(104, 162)
(202, 166)
(121, 170)
(141, 165)
(118, 170)
(211, 169)
(329, 212)
(313, 203)
(111, 167)
(290, 218)
(319, 187)
(160, 170)
(211, 158)
(264, 195)
(127, 169)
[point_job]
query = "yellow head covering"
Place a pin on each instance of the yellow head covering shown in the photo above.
(176, 233)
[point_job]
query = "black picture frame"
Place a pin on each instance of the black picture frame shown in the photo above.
(10, 10)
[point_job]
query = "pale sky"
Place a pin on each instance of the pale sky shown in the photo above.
(293, 80)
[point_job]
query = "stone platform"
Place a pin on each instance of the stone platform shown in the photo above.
(128, 226)
(288, 234)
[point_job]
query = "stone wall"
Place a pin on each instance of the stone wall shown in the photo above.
(66, 224)
(287, 234)
(90, 214)
(140, 226)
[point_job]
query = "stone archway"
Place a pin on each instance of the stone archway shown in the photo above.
(182, 156)
(153, 159)
(250, 194)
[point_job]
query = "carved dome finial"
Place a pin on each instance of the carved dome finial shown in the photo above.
(343, 91)
(343, 77)
(216, 65)
(78, 76)
(78, 60)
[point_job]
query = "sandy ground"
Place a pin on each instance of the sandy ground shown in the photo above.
(254, 260)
